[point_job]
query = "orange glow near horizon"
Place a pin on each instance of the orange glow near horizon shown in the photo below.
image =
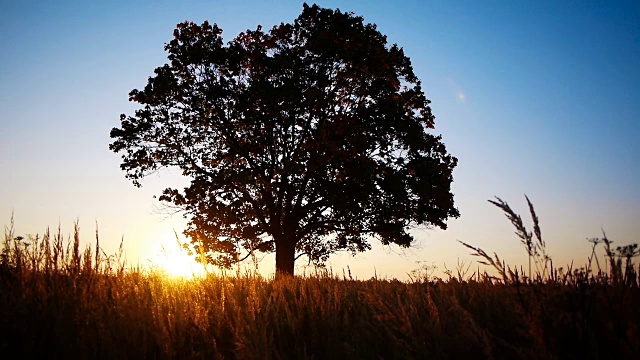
(175, 261)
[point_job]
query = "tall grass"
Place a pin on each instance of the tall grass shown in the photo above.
(59, 301)
(620, 269)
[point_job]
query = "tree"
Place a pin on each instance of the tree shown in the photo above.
(307, 139)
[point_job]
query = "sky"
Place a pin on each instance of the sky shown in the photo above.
(539, 98)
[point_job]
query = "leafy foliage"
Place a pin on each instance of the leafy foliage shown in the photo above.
(305, 139)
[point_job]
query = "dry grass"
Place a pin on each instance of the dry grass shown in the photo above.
(58, 301)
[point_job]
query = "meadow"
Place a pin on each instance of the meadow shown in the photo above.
(59, 301)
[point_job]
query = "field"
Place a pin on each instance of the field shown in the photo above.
(58, 301)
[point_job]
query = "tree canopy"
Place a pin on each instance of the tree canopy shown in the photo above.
(307, 139)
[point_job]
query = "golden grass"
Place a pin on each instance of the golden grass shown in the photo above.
(57, 301)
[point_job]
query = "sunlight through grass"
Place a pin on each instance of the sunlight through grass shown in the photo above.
(173, 260)
(57, 298)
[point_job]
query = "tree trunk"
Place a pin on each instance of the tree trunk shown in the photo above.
(285, 256)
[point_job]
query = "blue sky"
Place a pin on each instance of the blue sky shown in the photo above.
(541, 98)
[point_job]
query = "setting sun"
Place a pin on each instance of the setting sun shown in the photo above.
(175, 261)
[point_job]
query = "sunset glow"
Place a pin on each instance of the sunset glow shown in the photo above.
(175, 261)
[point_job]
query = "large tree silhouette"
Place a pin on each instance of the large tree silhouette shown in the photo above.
(308, 139)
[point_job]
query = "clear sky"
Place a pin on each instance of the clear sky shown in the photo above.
(541, 98)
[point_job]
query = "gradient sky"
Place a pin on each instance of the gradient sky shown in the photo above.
(541, 98)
